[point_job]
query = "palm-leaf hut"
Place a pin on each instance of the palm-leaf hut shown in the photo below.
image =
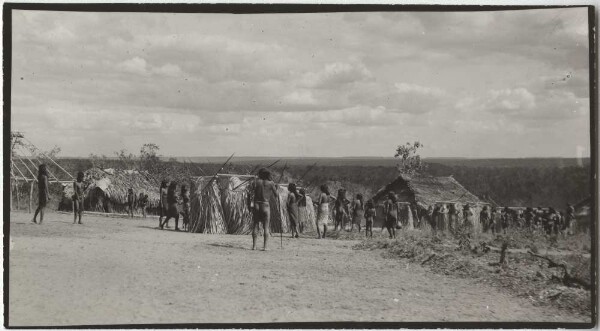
(222, 207)
(421, 191)
(106, 190)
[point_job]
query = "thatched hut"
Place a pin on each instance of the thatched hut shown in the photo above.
(223, 207)
(106, 190)
(418, 193)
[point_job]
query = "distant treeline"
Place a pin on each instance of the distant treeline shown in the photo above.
(547, 184)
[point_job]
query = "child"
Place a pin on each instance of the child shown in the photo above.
(370, 214)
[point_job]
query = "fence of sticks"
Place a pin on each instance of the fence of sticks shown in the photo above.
(220, 205)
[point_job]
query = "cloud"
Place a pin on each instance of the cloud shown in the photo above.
(337, 74)
(360, 81)
(135, 65)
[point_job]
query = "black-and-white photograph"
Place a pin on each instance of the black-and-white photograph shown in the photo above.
(275, 166)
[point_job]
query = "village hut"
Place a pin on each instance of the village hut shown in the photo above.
(223, 207)
(417, 193)
(106, 190)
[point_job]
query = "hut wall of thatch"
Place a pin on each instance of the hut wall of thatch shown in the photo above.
(106, 191)
(237, 215)
(422, 192)
(226, 210)
(206, 212)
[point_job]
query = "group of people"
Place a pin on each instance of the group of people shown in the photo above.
(136, 202)
(448, 217)
(168, 204)
(549, 220)
(441, 217)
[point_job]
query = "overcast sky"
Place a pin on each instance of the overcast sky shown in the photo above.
(473, 84)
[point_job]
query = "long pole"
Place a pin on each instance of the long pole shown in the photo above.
(210, 182)
(30, 195)
(249, 179)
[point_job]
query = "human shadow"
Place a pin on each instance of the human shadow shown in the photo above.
(229, 246)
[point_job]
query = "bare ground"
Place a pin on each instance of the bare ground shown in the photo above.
(122, 271)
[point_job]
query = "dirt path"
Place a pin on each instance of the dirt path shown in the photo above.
(120, 271)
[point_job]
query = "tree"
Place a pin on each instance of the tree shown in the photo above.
(149, 158)
(410, 160)
(126, 160)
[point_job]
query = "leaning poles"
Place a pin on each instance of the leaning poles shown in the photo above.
(210, 182)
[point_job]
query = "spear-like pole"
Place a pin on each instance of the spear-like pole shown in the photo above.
(249, 179)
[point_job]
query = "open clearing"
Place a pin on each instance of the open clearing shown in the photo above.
(121, 271)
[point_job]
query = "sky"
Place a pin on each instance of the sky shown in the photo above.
(471, 84)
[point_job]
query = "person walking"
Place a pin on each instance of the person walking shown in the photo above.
(172, 210)
(390, 210)
(358, 212)
(370, 214)
(43, 193)
(264, 191)
(78, 197)
(323, 218)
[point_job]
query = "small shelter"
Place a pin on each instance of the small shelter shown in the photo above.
(25, 158)
(219, 204)
(106, 190)
(417, 193)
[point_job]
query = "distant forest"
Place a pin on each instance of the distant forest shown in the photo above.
(531, 182)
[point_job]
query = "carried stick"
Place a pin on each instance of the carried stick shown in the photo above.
(249, 179)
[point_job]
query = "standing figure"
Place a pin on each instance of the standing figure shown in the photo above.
(172, 211)
(292, 207)
(529, 218)
(435, 214)
(302, 211)
(570, 221)
(468, 222)
(323, 211)
(264, 191)
(144, 204)
(496, 221)
(185, 199)
(358, 212)
(506, 219)
(452, 218)
(78, 197)
(340, 209)
(130, 202)
(163, 202)
(43, 193)
(370, 214)
(484, 219)
(390, 211)
(442, 225)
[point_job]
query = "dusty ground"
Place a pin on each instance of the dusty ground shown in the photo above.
(120, 271)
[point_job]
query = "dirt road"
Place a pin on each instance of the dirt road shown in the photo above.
(120, 271)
